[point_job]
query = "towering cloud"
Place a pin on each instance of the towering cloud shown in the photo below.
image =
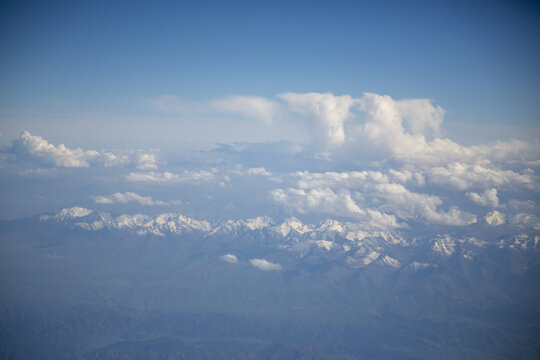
(327, 112)
(400, 127)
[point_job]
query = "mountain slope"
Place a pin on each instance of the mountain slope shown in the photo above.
(161, 286)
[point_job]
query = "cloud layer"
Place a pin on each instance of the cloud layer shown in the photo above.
(127, 197)
(379, 162)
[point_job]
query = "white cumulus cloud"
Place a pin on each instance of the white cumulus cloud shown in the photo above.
(259, 171)
(487, 198)
(464, 176)
(367, 195)
(318, 200)
(60, 155)
(408, 205)
(327, 111)
(36, 148)
(146, 161)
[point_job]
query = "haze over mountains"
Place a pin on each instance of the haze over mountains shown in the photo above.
(294, 236)
(269, 180)
(82, 283)
(378, 238)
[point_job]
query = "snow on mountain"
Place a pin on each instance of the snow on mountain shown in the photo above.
(325, 244)
(144, 224)
(390, 261)
(331, 226)
(291, 226)
(444, 245)
(362, 257)
(495, 218)
(523, 241)
(72, 213)
(418, 266)
(331, 239)
(257, 223)
(472, 241)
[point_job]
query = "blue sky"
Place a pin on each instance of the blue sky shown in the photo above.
(78, 61)
(376, 113)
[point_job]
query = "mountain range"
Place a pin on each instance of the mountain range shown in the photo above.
(79, 283)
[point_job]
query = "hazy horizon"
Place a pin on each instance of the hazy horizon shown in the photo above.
(346, 180)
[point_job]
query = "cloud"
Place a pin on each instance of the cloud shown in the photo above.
(408, 205)
(166, 177)
(495, 218)
(526, 220)
(488, 198)
(384, 123)
(367, 195)
(318, 200)
(464, 176)
(378, 220)
(259, 171)
(146, 161)
(338, 203)
(265, 265)
(143, 160)
(387, 166)
(124, 198)
(35, 146)
(408, 130)
(519, 204)
(377, 125)
(453, 217)
(420, 116)
(327, 112)
(345, 179)
(250, 107)
(230, 258)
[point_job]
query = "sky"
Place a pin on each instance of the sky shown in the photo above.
(92, 71)
(394, 115)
